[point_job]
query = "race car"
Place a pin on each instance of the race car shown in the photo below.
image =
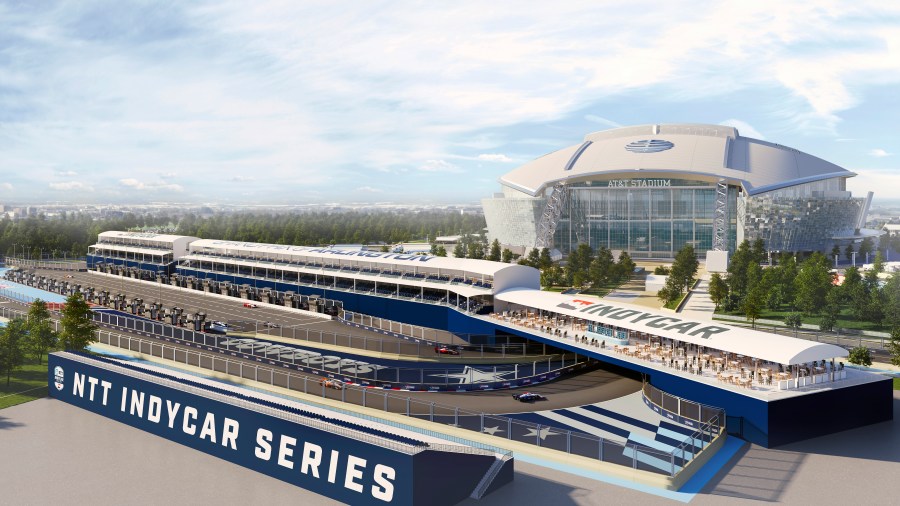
(443, 350)
(250, 304)
(529, 397)
(332, 383)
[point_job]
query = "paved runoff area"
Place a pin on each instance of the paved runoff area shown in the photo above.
(55, 453)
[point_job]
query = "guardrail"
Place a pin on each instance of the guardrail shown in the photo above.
(631, 455)
(508, 375)
(59, 264)
(709, 421)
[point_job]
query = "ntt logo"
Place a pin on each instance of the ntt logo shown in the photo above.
(649, 146)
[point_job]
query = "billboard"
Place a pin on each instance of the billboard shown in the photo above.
(337, 466)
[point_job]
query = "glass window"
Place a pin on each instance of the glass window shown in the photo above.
(684, 203)
(661, 236)
(682, 233)
(704, 236)
(661, 204)
(640, 236)
(639, 204)
(704, 203)
(598, 234)
(618, 235)
(618, 204)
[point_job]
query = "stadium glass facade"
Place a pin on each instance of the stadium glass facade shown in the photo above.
(652, 189)
(650, 218)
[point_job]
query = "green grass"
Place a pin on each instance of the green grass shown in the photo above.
(845, 319)
(674, 304)
(26, 384)
(896, 383)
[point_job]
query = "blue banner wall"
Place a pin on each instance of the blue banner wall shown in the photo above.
(343, 468)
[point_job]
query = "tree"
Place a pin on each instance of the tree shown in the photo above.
(459, 251)
(737, 269)
(752, 306)
(866, 247)
(849, 252)
(13, 340)
(77, 324)
(495, 253)
(506, 256)
(41, 337)
(440, 251)
(685, 266)
(602, 266)
(860, 356)
(794, 321)
(476, 250)
(718, 289)
(891, 292)
(894, 346)
(827, 323)
(835, 252)
(758, 251)
(813, 283)
(544, 261)
(624, 267)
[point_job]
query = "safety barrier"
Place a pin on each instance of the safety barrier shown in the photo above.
(623, 453)
(356, 371)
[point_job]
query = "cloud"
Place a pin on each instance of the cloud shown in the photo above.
(152, 186)
(205, 91)
(66, 173)
(884, 182)
(744, 128)
(603, 121)
(495, 157)
(6, 186)
(242, 179)
(369, 189)
(879, 153)
(71, 186)
(439, 166)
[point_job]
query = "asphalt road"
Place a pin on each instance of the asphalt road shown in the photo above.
(575, 390)
(265, 319)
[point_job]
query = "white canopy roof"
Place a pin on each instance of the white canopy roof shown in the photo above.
(715, 335)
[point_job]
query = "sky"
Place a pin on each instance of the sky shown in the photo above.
(303, 102)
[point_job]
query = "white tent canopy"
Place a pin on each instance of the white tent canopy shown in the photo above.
(711, 334)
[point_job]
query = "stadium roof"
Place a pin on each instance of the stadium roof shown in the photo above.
(687, 151)
(715, 335)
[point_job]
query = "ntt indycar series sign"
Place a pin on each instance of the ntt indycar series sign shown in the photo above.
(343, 468)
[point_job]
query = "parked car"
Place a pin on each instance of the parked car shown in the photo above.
(529, 397)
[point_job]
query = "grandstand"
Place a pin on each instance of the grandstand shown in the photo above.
(146, 251)
(763, 381)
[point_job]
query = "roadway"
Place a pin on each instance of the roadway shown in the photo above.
(269, 319)
(594, 386)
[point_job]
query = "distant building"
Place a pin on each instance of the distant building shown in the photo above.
(651, 189)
